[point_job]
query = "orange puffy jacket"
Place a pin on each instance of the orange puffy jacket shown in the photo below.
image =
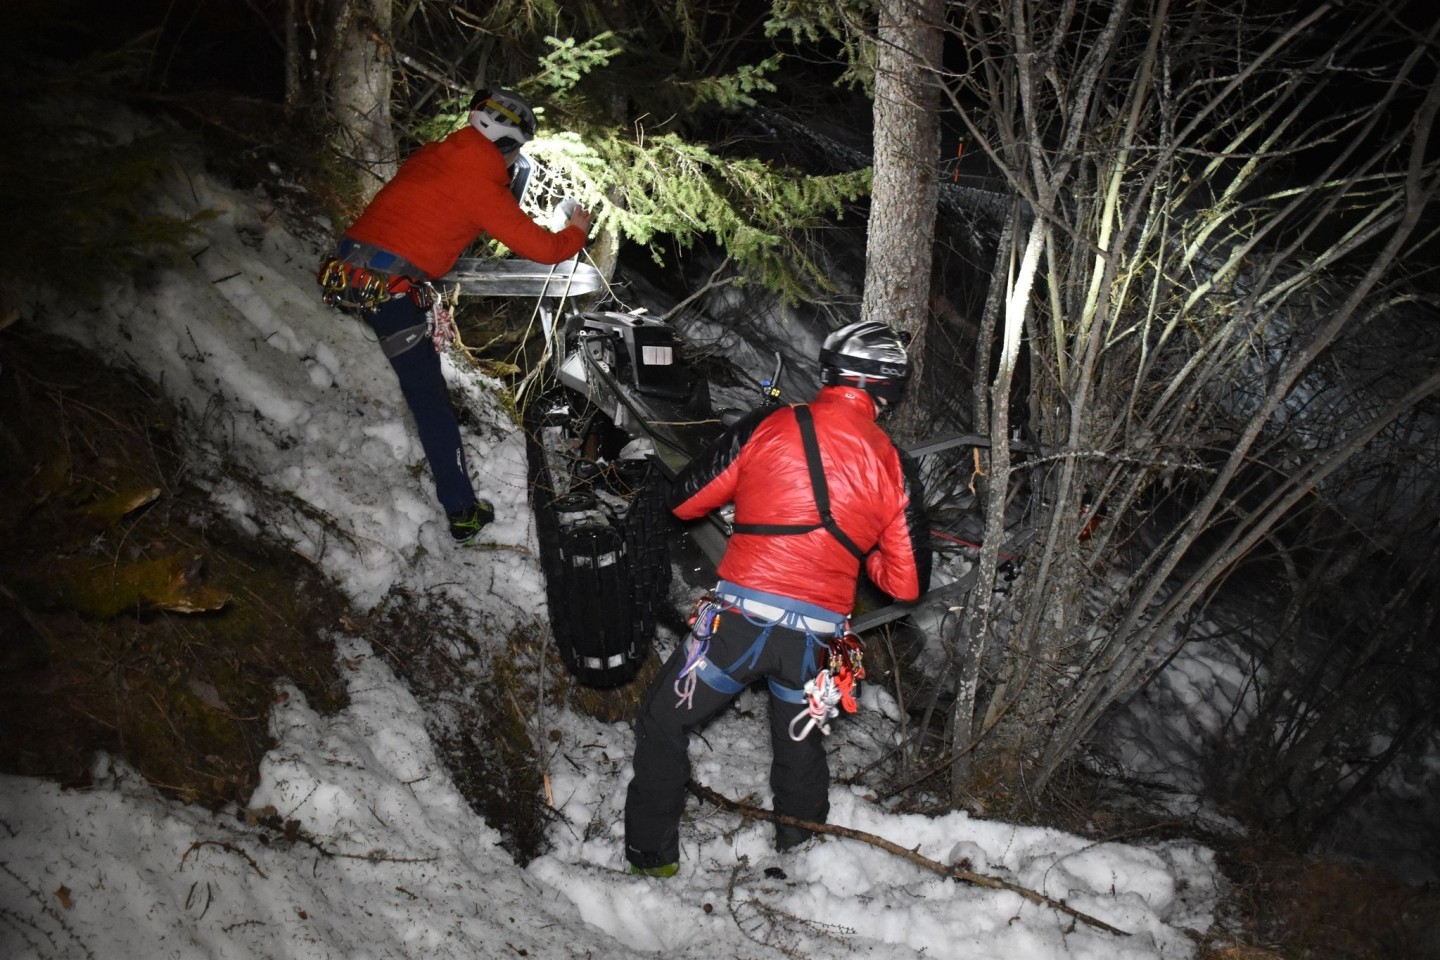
(876, 499)
(447, 194)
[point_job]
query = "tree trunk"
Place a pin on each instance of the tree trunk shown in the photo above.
(357, 89)
(292, 56)
(905, 187)
(1019, 283)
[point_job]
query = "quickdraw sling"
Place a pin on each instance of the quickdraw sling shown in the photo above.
(832, 688)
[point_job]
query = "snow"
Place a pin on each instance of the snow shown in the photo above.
(392, 862)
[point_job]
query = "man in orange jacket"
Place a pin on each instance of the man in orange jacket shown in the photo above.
(443, 197)
(820, 493)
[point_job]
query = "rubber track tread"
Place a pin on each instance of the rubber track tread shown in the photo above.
(593, 611)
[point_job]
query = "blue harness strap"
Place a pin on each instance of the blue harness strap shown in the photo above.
(718, 680)
(360, 254)
(788, 694)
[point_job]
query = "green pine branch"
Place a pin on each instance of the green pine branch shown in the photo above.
(625, 107)
(665, 188)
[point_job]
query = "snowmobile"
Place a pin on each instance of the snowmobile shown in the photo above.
(622, 415)
(616, 411)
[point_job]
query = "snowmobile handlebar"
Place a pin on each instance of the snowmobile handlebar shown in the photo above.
(771, 388)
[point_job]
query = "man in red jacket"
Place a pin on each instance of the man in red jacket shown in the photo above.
(819, 490)
(440, 201)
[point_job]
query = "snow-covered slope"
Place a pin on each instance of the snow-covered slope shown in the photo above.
(289, 393)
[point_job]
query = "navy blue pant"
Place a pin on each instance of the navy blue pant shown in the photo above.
(423, 385)
(799, 771)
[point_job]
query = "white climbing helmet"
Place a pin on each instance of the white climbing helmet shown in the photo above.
(503, 117)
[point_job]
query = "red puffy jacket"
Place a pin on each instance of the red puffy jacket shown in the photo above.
(447, 194)
(875, 497)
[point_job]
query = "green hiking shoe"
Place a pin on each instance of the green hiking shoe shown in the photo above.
(662, 872)
(466, 525)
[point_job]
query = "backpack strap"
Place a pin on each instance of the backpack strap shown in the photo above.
(806, 421)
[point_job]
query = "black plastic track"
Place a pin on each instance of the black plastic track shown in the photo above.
(647, 529)
(596, 570)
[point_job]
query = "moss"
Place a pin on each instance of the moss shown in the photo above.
(618, 705)
(183, 698)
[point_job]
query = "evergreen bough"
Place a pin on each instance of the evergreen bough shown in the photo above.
(666, 189)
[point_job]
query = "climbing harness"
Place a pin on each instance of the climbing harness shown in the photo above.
(352, 287)
(438, 327)
(806, 422)
(361, 276)
(822, 629)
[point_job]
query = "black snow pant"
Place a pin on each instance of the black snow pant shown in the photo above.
(423, 384)
(799, 771)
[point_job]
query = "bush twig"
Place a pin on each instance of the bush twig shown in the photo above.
(953, 872)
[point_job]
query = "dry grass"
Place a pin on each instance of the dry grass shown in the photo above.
(1294, 907)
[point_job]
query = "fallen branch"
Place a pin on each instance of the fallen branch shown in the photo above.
(953, 872)
(223, 846)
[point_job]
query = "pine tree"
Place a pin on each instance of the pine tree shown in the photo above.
(628, 100)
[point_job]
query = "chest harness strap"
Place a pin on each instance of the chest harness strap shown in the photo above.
(806, 422)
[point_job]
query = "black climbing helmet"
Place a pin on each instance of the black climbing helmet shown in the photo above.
(870, 355)
(504, 117)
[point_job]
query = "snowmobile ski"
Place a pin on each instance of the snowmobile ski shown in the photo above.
(523, 278)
